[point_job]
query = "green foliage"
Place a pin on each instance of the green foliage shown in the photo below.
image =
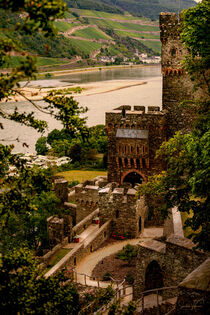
(68, 113)
(101, 297)
(149, 8)
(26, 201)
(107, 276)
(127, 253)
(41, 146)
(93, 5)
(196, 38)
(129, 278)
(24, 289)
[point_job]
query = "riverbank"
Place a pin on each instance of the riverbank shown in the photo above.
(36, 92)
(91, 69)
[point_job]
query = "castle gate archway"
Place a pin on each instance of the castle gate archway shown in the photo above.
(153, 276)
(133, 177)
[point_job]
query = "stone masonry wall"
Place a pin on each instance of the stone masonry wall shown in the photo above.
(177, 85)
(143, 162)
(82, 250)
(176, 259)
(121, 207)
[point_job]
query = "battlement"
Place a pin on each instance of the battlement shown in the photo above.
(169, 26)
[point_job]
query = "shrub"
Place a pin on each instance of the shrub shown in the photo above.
(107, 276)
(129, 278)
(127, 253)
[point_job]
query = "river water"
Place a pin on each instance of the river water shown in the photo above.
(149, 94)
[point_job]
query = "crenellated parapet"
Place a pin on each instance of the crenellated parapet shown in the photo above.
(87, 197)
(120, 205)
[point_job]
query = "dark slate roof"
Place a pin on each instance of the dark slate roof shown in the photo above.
(132, 133)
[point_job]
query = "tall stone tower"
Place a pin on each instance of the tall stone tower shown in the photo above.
(177, 85)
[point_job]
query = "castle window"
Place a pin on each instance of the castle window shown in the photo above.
(138, 163)
(132, 163)
(117, 214)
(173, 52)
(143, 163)
(131, 148)
(143, 148)
(137, 149)
(120, 162)
(126, 162)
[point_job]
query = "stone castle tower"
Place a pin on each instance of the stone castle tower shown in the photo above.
(177, 85)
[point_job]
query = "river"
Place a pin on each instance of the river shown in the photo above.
(149, 94)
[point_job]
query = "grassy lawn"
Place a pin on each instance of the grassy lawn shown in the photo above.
(140, 35)
(85, 46)
(91, 33)
(57, 257)
(80, 175)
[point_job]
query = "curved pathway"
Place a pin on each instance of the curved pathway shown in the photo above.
(87, 264)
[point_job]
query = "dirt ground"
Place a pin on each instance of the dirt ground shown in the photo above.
(118, 268)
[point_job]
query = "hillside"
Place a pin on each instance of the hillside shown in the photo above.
(102, 33)
(141, 8)
(85, 37)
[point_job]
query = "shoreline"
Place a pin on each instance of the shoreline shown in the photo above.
(96, 69)
(37, 93)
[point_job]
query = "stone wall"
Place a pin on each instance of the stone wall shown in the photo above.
(82, 225)
(87, 197)
(120, 205)
(176, 259)
(58, 229)
(127, 155)
(82, 250)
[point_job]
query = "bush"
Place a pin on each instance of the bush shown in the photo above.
(129, 278)
(107, 276)
(41, 146)
(127, 253)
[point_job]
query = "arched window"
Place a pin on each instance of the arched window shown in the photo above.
(120, 162)
(173, 52)
(132, 163)
(126, 162)
(138, 163)
(143, 163)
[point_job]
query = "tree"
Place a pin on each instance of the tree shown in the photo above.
(36, 16)
(127, 253)
(41, 146)
(69, 114)
(26, 201)
(25, 290)
(186, 179)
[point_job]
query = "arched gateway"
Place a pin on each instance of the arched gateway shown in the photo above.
(133, 177)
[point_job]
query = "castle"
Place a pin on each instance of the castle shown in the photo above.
(134, 136)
